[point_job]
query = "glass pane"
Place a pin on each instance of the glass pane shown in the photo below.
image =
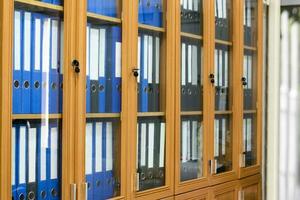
(250, 22)
(103, 95)
(37, 89)
(149, 80)
(151, 139)
(191, 70)
(223, 143)
(249, 139)
(151, 12)
(222, 77)
(191, 148)
(249, 77)
(103, 156)
(111, 8)
(191, 16)
(223, 18)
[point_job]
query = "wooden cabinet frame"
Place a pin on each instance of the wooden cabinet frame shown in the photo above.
(74, 112)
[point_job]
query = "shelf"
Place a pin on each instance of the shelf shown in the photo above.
(191, 36)
(151, 114)
(36, 116)
(249, 111)
(103, 115)
(37, 5)
(223, 42)
(152, 28)
(104, 18)
(250, 48)
(191, 113)
(223, 112)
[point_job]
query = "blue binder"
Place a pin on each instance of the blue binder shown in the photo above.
(111, 8)
(88, 81)
(116, 69)
(108, 160)
(158, 13)
(61, 66)
(91, 6)
(47, 1)
(103, 72)
(89, 158)
(53, 161)
(26, 63)
(36, 74)
(14, 161)
(57, 2)
(141, 12)
(98, 170)
(148, 10)
(54, 67)
(21, 157)
(42, 162)
(99, 7)
(144, 74)
(17, 76)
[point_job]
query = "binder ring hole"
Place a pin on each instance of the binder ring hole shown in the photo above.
(161, 174)
(36, 84)
(148, 3)
(43, 194)
(26, 84)
(183, 91)
(61, 85)
(22, 197)
(101, 88)
(150, 175)
(98, 183)
(143, 177)
(89, 185)
(54, 192)
(53, 86)
(189, 92)
(145, 89)
(16, 84)
(184, 169)
(150, 89)
(94, 88)
(119, 88)
(109, 182)
(31, 196)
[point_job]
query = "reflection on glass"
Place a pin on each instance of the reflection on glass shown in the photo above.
(151, 12)
(150, 69)
(36, 159)
(191, 16)
(150, 153)
(37, 89)
(249, 140)
(222, 77)
(103, 70)
(191, 148)
(222, 144)
(191, 84)
(249, 81)
(111, 8)
(223, 19)
(102, 158)
(250, 20)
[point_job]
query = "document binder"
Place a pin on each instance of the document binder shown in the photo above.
(54, 68)
(89, 145)
(156, 89)
(17, 75)
(94, 69)
(217, 78)
(250, 85)
(150, 74)
(184, 87)
(21, 156)
(36, 73)
(160, 156)
(150, 155)
(249, 153)
(141, 12)
(91, 6)
(248, 23)
(108, 159)
(14, 162)
(190, 16)
(152, 10)
(142, 171)
(61, 67)
(57, 2)
(139, 64)
(196, 88)
(104, 79)
(189, 96)
(26, 64)
(116, 73)
(144, 75)
(31, 162)
(54, 161)
(88, 89)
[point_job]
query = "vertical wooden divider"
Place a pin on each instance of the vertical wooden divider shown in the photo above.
(6, 33)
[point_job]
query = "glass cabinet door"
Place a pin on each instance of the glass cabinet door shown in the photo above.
(103, 99)
(37, 99)
(191, 91)
(249, 81)
(223, 145)
(151, 96)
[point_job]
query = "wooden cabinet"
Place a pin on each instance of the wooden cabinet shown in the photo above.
(250, 188)
(145, 99)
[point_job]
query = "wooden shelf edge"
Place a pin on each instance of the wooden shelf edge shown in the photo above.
(151, 28)
(151, 114)
(225, 112)
(191, 113)
(40, 4)
(36, 116)
(104, 18)
(191, 35)
(103, 115)
(223, 42)
(250, 48)
(250, 111)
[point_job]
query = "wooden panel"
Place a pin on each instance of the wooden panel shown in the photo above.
(6, 33)
(194, 195)
(226, 191)
(250, 188)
